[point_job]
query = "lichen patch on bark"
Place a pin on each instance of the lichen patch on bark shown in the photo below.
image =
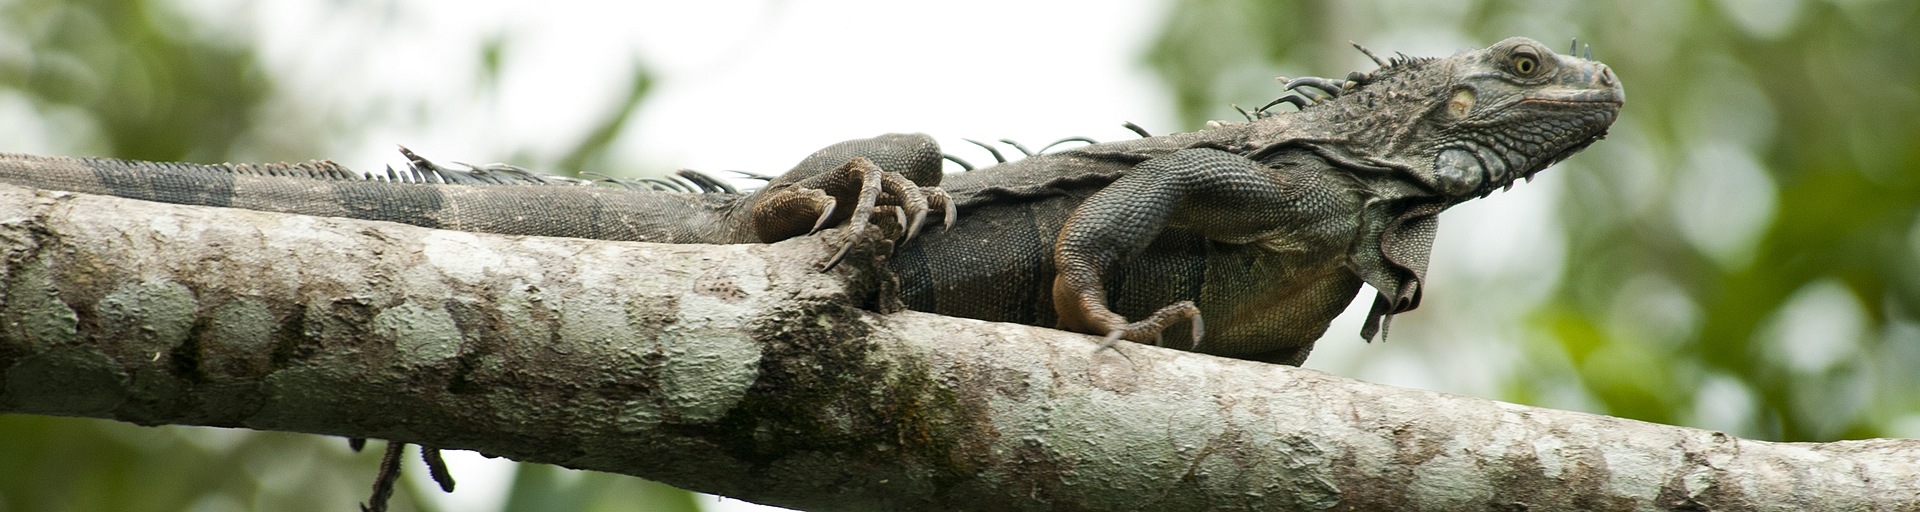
(421, 335)
(241, 337)
(592, 317)
(704, 372)
(34, 312)
(154, 316)
(459, 255)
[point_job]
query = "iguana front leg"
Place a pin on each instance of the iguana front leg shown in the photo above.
(850, 182)
(1220, 195)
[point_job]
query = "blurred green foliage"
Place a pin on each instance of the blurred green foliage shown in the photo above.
(1740, 254)
(139, 85)
(133, 79)
(73, 464)
(591, 154)
(154, 89)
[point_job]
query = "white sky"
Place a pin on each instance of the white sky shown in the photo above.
(742, 84)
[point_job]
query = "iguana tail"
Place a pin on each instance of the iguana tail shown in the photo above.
(492, 199)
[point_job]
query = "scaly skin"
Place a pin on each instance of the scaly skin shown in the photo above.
(1265, 229)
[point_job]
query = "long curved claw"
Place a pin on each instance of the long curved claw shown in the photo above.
(826, 212)
(871, 181)
(1112, 339)
(839, 255)
(936, 196)
(1199, 332)
(919, 218)
(1136, 129)
(905, 196)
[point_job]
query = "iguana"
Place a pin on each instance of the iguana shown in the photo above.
(1265, 229)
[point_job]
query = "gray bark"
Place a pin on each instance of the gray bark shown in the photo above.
(741, 370)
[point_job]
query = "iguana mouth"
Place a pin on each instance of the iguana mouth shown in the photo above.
(1580, 104)
(1576, 98)
(1571, 101)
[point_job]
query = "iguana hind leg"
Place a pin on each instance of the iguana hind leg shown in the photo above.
(1222, 196)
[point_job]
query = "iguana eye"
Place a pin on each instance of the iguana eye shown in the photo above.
(1525, 64)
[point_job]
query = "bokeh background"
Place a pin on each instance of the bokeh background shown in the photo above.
(1739, 255)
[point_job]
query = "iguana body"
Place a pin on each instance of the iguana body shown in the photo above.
(1264, 229)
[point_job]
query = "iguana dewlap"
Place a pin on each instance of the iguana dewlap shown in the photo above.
(1265, 230)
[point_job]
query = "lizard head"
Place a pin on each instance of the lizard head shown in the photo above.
(1513, 109)
(1479, 120)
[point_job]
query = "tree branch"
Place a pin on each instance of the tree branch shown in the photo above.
(740, 370)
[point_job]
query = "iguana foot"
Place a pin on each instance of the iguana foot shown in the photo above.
(854, 193)
(1083, 308)
(1154, 326)
(937, 198)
